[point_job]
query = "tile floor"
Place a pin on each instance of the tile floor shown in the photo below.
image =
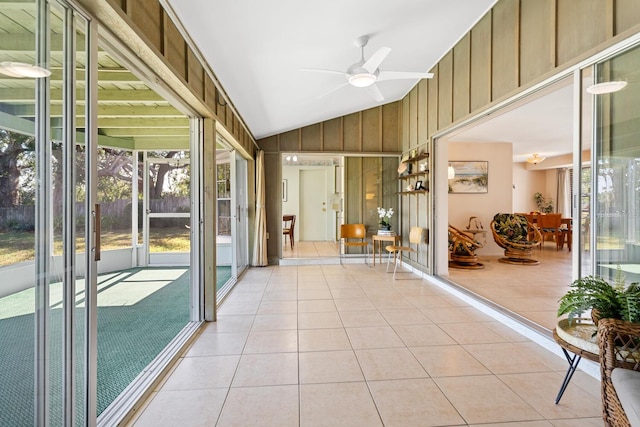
(311, 250)
(328, 345)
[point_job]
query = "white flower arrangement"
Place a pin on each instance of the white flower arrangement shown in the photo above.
(385, 215)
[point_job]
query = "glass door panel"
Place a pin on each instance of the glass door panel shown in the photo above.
(239, 200)
(617, 170)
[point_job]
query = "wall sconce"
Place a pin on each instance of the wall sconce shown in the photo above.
(451, 172)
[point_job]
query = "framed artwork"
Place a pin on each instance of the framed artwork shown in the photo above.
(470, 177)
(418, 185)
(284, 190)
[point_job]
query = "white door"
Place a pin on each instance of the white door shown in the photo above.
(313, 205)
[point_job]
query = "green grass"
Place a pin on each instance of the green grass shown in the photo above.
(18, 246)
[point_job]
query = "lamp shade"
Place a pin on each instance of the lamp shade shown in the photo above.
(606, 87)
(20, 70)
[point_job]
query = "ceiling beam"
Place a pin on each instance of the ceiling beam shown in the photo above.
(19, 95)
(131, 123)
(151, 132)
(106, 110)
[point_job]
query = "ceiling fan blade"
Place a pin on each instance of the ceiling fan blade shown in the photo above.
(376, 59)
(333, 90)
(399, 75)
(320, 70)
(375, 93)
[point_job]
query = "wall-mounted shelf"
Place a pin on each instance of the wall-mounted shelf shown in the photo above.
(411, 175)
(414, 192)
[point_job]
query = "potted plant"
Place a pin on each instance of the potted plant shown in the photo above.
(544, 205)
(385, 215)
(605, 300)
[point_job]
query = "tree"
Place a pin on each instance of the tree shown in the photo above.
(16, 154)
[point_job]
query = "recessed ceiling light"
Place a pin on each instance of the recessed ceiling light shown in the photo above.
(606, 87)
(21, 70)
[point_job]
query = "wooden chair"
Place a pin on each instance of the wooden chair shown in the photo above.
(462, 248)
(550, 225)
(353, 235)
(511, 232)
(619, 344)
(288, 228)
(415, 237)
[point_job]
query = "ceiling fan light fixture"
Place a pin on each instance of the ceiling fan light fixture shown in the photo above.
(535, 159)
(362, 79)
(606, 87)
(21, 70)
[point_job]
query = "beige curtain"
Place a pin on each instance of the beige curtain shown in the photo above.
(564, 193)
(260, 242)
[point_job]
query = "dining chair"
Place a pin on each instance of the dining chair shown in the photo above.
(415, 238)
(288, 228)
(353, 235)
(550, 225)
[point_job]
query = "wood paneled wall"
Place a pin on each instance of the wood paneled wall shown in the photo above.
(376, 130)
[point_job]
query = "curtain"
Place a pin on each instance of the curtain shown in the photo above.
(564, 193)
(260, 241)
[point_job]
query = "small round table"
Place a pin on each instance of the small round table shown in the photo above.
(577, 337)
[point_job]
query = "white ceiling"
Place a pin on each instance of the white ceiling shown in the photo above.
(257, 50)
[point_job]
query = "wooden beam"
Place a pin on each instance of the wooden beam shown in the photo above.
(134, 123)
(151, 132)
(19, 95)
(106, 110)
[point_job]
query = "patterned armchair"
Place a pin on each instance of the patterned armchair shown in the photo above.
(462, 248)
(517, 237)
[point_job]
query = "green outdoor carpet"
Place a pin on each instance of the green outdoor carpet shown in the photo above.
(140, 311)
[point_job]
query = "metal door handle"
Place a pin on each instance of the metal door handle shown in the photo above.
(96, 231)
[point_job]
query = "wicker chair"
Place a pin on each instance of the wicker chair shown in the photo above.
(511, 232)
(462, 248)
(619, 344)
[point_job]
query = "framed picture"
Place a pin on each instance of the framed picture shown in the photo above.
(469, 177)
(284, 190)
(418, 185)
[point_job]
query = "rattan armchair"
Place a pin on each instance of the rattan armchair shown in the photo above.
(517, 237)
(462, 249)
(619, 344)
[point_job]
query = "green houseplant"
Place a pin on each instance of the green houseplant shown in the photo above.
(544, 205)
(605, 300)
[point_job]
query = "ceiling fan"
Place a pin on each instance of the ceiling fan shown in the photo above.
(365, 73)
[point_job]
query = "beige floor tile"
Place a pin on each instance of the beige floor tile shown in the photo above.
(314, 294)
(506, 358)
(271, 342)
(448, 361)
(422, 335)
(229, 324)
(485, 399)
(362, 318)
(266, 369)
(410, 316)
(389, 364)
(238, 308)
(261, 406)
(373, 337)
(540, 389)
(218, 344)
(516, 424)
(429, 301)
(319, 320)
(286, 295)
(275, 322)
(329, 367)
(245, 296)
(390, 303)
(471, 333)
(454, 315)
(579, 422)
(323, 339)
(168, 408)
(278, 307)
(316, 306)
(342, 404)
(354, 304)
(413, 402)
(202, 372)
